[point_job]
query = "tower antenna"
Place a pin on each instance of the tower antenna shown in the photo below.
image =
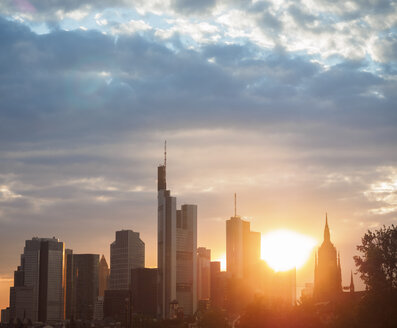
(235, 205)
(165, 153)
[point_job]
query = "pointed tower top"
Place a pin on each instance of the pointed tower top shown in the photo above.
(327, 237)
(351, 282)
(235, 204)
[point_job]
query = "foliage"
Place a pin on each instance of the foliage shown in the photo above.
(378, 264)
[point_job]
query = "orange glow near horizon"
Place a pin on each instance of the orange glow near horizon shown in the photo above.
(284, 250)
(222, 259)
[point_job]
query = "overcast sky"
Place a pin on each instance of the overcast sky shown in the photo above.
(291, 104)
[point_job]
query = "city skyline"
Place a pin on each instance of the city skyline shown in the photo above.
(180, 222)
(289, 104)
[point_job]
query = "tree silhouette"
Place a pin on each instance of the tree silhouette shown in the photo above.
(378, 270)
(378, 264)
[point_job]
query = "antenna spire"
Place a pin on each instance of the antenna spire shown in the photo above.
(165, 152)
(235, 205)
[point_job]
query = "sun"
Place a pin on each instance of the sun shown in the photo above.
(284, 250)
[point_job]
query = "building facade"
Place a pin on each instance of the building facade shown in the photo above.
(186, 258)
(144, 291)
(243, 248)
(127, 252)
(203, 273)
(166, 244)
(85, 285)
(38, 291)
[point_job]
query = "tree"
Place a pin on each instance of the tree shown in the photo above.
(378, 264)
(378, 270)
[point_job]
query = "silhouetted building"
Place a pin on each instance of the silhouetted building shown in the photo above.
(307, 291)
(283, 287)
(218, 285)
(351, 283)
(5, 315)
(38, 291)
(327, 271)
(70, 307)
(116, 306)
(104, 273)
(144, 283)
(127, 252)
(186, 258)
(203, 273)
(243, 247)
(85, 268)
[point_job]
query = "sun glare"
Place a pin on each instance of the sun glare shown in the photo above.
(284, 249)
(222, 259)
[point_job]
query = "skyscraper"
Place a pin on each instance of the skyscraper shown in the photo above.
(126, 252)
(327, 270)
(38, 292)
(166, 243)
(85, 285)
(144, 291)
(176, 250)
(203, 273)
(186, 258)
(242, 247)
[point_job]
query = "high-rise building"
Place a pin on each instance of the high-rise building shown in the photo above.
(327, 270)
(85, 284)
(243, 247)
(117, 306)
(186, 258)
(127, 252)
(38, 292)
(176, 251)
(144, 291)
(70, 297)
(203, 273)
(104, 272)
(166, 243)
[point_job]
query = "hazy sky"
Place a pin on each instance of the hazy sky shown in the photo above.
(291, 104)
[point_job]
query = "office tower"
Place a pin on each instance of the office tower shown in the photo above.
(5, 316)
(177, 243)
(282, 288)
(127, 252)
(117, 306)
(186, 258)
(85, 285)
(103, 276)
(166, 243)
(203, 273)
(144, 291)
(217, 289)
(38, 292)
(70, 309)
(242, 247)
(327, 270)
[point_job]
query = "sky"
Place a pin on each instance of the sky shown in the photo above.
(290, 104)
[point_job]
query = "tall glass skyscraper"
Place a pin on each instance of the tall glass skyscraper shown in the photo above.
(126, 252)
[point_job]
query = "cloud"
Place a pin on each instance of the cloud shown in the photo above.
(292, 106)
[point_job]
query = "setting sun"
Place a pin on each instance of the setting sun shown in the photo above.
(284, 249)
